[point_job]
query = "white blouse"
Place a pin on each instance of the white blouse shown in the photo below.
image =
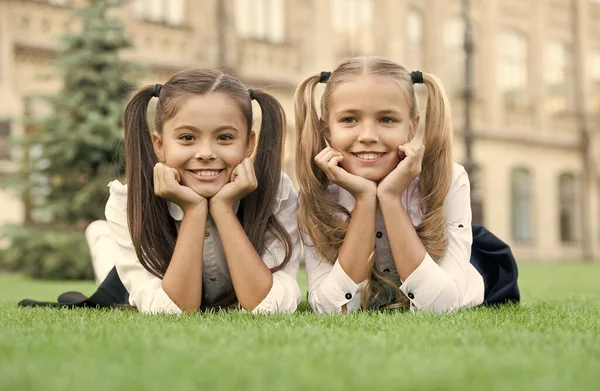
(448, 285)
(145, 289)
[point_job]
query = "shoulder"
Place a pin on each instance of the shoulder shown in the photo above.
(116, 206)
(460, 179)
(287, 197)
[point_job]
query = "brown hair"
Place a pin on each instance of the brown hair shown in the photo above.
(323, 219)
(153, 231)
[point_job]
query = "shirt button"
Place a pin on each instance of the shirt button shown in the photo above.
(348, 296)
(206, 234)
(386, 270)
(212, 278)
(411, 296)
(379, 235)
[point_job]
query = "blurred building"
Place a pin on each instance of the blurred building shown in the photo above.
(536, 112)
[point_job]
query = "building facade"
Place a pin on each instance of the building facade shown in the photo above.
(536, 109)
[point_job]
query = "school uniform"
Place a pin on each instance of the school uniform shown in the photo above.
(461, 278)
(144, 291)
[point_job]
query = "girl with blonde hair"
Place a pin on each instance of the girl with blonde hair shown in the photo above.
(386, 221)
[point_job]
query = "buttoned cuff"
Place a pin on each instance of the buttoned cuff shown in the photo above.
(425, 283)
(161, 303)
(340, 290)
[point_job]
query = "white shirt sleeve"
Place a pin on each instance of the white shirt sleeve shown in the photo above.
(452, 283)
(285, 294)
(145, 289)
(330, 289)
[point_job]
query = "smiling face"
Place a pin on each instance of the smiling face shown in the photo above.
(204, 141)
(369, 117)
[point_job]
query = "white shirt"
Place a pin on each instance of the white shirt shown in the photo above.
(145, 289)
(448, 285)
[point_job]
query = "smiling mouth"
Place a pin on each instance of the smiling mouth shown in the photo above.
(206, 175)
(369, 157)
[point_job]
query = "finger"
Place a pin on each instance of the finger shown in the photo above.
(158, 175)
(326, 158)
(323, 152)
(334, 165)
(170, 178)
(408, 150)
(249, 166)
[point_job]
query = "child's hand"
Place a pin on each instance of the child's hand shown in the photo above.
(243, 182)
(328, 161)
(396, 182)
(167, 186)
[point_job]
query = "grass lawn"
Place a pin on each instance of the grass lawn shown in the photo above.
(550, 342)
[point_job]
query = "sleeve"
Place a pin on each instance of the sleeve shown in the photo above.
(453, 282)
(285, 294)
(330, 289)
(145, 289)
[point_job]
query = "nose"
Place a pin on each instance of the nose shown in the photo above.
(368, 132)
(205, 151)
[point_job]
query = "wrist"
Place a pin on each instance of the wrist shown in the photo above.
(366, 197)
(386, 197)
(219, 206)
(200, 209)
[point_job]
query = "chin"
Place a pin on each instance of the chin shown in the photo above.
(207, 191)
(374, 175)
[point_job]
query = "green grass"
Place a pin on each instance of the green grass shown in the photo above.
(550, 342)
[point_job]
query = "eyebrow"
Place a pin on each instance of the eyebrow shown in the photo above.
(380, 112)
(196, 130)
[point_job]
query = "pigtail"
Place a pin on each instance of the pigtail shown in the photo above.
(147, 214)
(322, 218)
(259, 205)
(436, 173)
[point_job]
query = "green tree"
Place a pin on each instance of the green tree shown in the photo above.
(73, 152)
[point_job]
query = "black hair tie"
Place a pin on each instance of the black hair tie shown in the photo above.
(324, 77)
(156, 91)
(417, 77)
(251, 93)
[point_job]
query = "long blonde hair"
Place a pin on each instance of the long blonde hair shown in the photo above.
(323, 219)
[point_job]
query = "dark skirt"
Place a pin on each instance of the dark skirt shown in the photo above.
(491, 257)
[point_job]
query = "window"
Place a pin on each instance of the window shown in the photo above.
(171, 12)
(261, 19)
(568, 201)
(595, 82)
(455, 56)
(558, 78)
(352, 21)
(512, 69)
(522, 214)
(4, 136)
(414, 39)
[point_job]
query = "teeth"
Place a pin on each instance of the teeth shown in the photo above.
(368, 156)
(206, 173)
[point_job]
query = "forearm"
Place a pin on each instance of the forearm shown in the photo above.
(182, 281)
(359, 240)
(252, 279)
(407, 249)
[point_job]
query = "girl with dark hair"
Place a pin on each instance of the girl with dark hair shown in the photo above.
(205, 219)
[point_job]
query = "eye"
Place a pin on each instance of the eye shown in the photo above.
(186, 137)
(224, 137)
(388, 120)
(349, 120)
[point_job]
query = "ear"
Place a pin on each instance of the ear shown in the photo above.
(157, 143)
(251, 144)
(414, 125)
